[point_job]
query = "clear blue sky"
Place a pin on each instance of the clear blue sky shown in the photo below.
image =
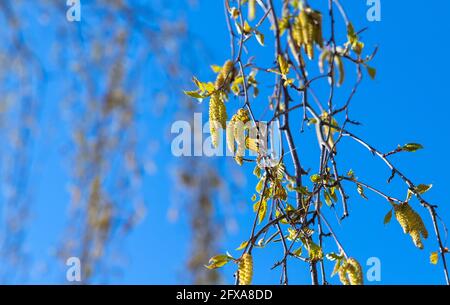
(404, 104)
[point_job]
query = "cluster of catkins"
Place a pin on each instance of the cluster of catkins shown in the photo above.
(217, 110)
(411, 223)
(307, 30)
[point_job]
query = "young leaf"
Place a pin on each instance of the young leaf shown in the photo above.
(327, 198)
(261, 209)
(388, 217)
(420, 189)
(336, 267)
(259, 37)
(298, 252)
(216, 68)
(283, 64)
(193, 94)
(372, 72)
(315, 178)
(361, 191)
(218, 261)
(423, 188)
(257, 171)
(412, 147)
(434, 257)
(242, 245)
(247, 28)
(332, 256)
(260, 185)
(351, 174)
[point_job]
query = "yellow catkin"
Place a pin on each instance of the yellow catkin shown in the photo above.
(230, 134)
(245, 270)
(220, 81)
(236, 132)
(297, 32)
(318, 35)
(226, 76)
(350, 273)
(307, 30)
(354, 272)
(327, 132)
(343, 275)
(411, 223)
(217, 117)
(239, 136)
(252, 144)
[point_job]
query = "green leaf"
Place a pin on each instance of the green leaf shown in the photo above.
(301, 189)
(298, 252)
(434, 258)
(351, 33)
(261, 209)
(242, 245)
(216, 68)
(257, 171)
(420, 189)
(372, 72)
(218, 261)
(247, 28)
(360, 190)
(332, 256)
(260, 185)
(387, 217)
(315, 251)
(259, 37)
(351, 174)
(327, 199)
(412, 147)
(315, 178)
(193, 94)
(312, 121)
(423, 188)
(283, 65)
(336, 267)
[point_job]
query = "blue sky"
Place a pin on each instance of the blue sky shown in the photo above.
(402, 105)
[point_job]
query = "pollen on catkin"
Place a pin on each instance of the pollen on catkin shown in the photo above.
(236, 133)
(350, 273)
(225, 77)
(307, 30)
(217, 117)
(411, 223)
(245, 270)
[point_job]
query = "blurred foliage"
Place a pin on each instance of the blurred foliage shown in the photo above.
(123, 61)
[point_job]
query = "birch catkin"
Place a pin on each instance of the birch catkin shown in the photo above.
(245, 270)
(236, 133)
(411, 223)
(350, 273)
(217, 117)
